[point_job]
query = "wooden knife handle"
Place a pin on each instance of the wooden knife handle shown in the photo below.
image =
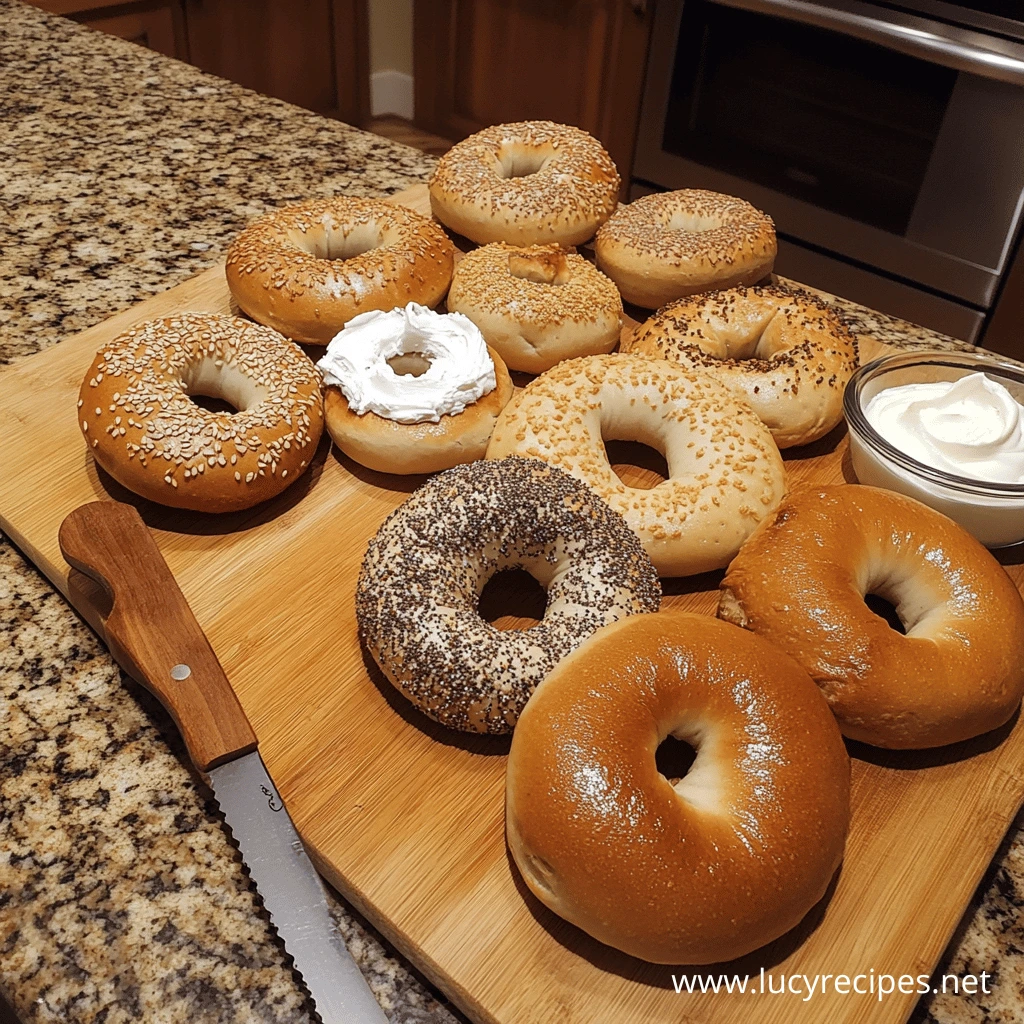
(152, 632)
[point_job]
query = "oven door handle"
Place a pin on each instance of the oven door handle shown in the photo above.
(909, 36)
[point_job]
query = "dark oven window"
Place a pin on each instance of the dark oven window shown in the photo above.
(846, 125)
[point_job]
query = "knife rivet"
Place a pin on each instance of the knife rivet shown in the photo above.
(180, 672)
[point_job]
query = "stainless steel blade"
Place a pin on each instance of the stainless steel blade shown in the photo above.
(292, 892)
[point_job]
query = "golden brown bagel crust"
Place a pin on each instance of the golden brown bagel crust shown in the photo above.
(567, 308)
(728, 858)
(800, 581)
(725, 472)
(291, 268)
(785, 353)
(663, 246)
(389, 447)
(141, 427)
(524, 183)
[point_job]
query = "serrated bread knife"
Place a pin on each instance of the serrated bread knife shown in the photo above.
(156, 639)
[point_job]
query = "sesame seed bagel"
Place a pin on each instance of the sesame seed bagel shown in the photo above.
(537, 305)
(421, 580)
(786, 353)
(142, 428)
(800, 582)
(663, 246)
(725, 472)
(524, 183)
(692, 870)
(307, 269)
(391, 447)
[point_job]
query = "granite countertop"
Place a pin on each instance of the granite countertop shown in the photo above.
(123, 173)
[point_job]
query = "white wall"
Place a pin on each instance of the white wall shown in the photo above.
(391, 57)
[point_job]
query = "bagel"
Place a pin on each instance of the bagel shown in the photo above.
(725, 472)
(669, 244)
(537, 305)
(800, 582)
(785, 353)
(525, 183)
(408, 422)
(142, 427)
(695, 870)
(307, 269)
(424, 571)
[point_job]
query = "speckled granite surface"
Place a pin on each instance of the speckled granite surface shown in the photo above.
(122, 174)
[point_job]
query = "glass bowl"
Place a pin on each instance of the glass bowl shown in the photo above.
(992, 512)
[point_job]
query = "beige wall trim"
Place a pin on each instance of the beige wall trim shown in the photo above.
(391, 93)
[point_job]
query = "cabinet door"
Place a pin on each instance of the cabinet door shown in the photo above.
(160, 28)
(158, 24)
(309, 52)
(581, 62)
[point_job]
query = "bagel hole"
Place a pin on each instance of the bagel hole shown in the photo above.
(637, 464)
(521, 163)
(734, 349)
(409, 364)
(759, 341)
(512, 599)
(328, 242)
(885, 610)
(674, 758)
(219, 387)
(212, 403)
(683, 221)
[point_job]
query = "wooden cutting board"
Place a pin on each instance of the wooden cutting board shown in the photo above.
(406, 818)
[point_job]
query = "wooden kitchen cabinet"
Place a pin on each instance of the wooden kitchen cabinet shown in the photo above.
(484, 62)
(313, 53)
(158, 24)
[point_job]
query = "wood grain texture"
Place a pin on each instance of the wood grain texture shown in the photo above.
(406, 819)
(151, 631)
(157, 24)
(484, 62)
(314, 53)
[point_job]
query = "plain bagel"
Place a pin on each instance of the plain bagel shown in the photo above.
(800, 582)
(525, 183)
(785, 353)
(669, 244)
(725, 472)
(307, 269)
(698, 869)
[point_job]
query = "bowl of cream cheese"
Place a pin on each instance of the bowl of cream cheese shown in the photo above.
(946, 428)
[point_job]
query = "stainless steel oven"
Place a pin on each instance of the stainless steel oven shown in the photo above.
(885, 139)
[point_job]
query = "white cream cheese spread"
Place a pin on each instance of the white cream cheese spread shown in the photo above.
(460, 369)
(972, 427)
